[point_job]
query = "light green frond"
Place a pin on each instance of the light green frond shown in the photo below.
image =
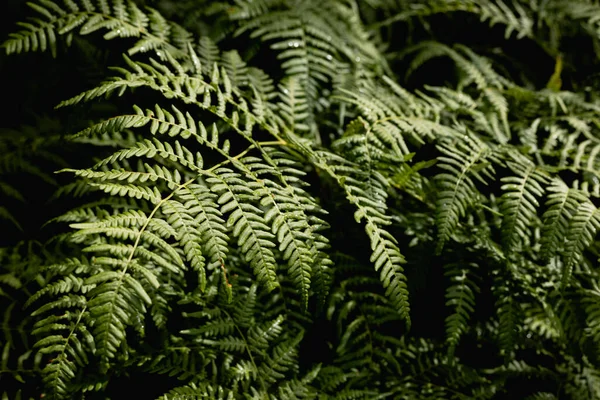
(294, 108)
(519, 202)
(295, 217)
(123, 20)
(68, 284)
(182, 220)
(517, 21)
(260, 336)
(580, 234)
(561, 205)
(247, 222)
(464, 161)
(393, 117)
(290, 227)
(115, 302)
(214, 93)
(207, 219)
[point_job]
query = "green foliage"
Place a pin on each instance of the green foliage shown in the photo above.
(348, 203)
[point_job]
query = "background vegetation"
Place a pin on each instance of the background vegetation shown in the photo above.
(280, 199)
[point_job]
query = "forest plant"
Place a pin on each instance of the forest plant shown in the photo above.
(206, 233)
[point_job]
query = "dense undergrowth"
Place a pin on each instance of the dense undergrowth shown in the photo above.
(279, 199)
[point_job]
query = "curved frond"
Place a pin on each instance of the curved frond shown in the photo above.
(464, 162)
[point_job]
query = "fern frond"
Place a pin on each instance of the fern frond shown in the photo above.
(116, 300)
(213, 93)
(294, 107)
(519, 201)
(386, 255)
(200, 203)
(67, 340)
(124, 19)
(281, 359)
(247, 222)
(68, 284)
(464, 161)
(561, 203)
(296, 211)
(460, 295)
(582, 231)
(508, 311)
(590, 299)
(518, 21)
(309, 42)
(542, 321)
(289, 225)
(385, 252)
(394, 118)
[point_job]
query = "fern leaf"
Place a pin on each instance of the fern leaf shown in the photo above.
(200, 202)
(280, 360)
(499, 12)
(247, 222)
(294, 107)
(457, 193)
(561, 203)
(385, 253)
(66, 339)
(590, 299)
(581, 233)
(114, 302)
(460, 295)
(519, 201)
(189, 238)
(124, 20)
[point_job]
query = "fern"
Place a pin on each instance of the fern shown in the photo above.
(461, 297)
(273, 199)
(458, 189)
(121, 20)
(580, 234)
(520, 200)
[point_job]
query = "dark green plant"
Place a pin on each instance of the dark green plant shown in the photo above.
(345, 199)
